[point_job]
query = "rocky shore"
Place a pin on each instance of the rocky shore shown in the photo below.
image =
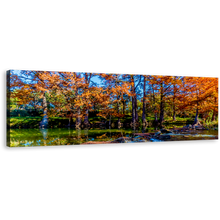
(183, 133)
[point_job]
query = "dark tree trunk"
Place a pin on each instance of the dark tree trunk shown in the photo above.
(110, 117)
(174, 98)
(86, 119)
(174, 113)
(161, 113)
(156, 119)
(133, 110)
(124, 106)
(44, 122)
(118, 110)
(161, 105)
(144, 105)
(70, 121)
(133, 101)
(154, 101)
(136, 112)
(144, 101)
(196, 121)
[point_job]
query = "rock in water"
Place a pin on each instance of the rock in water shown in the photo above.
(164, 137)
(164, 131)
(121, 140)
(158, 133)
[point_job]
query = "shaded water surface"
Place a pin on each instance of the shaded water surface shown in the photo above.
(192, 135)
(65, 136)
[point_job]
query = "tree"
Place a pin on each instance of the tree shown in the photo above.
(28, 83)
(199, 90)
(115, 89)
(175, 90)
(162, 85)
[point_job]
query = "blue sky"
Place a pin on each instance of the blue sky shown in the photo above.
(97, 80)
(94, 78)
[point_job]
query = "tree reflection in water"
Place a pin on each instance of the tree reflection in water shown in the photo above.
(86, 132)
(78, 133)
(44, 133)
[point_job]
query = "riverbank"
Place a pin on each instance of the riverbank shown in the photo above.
(189, 132)
(33, 122)
(95, 122)
(71, 136)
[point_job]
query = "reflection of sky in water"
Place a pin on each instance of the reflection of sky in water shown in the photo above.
(204, 135)
(28, 143)
(155, 140)
(39, 142)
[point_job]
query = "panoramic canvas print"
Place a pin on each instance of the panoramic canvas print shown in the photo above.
(81, 108)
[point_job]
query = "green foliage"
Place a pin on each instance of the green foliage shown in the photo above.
(33, 122)
(210, 124)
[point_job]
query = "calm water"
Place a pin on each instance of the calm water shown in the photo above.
(62, 136)
(65, 136)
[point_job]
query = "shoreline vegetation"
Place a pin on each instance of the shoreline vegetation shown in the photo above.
(59, 122)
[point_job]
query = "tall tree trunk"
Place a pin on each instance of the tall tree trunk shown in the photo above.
(134, 103)
(78, 111)
(174, 106)
(110, 117)
(124, 106)
(174, 113)
(133, 111)
(155, 116)
(44, 122)
(154, 102)
(196, 121)
(161, 105)
(144, 101)
(86, 119)
(118, 111)
(136, 112)
(78, 120)
(70, 121)
(161, 112)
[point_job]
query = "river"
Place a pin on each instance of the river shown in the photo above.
(68, 136)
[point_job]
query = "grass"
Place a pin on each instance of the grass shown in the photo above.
(179, 120)
(59, 122)
(33, 122)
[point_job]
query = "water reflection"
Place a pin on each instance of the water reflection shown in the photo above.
(69, 136)
(44, 133)
(86, 134)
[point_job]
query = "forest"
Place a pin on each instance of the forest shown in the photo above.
(81, 100)
(75, 96)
